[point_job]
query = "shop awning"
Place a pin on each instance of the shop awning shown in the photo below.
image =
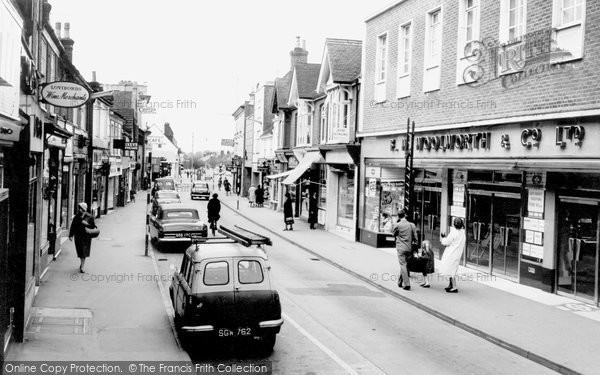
(51, 128)
(303, 165)
(279, 175)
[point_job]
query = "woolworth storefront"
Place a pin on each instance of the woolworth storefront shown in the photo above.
(529, 194)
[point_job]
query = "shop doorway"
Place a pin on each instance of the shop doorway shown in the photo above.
(427, 217)
(577, 257)
(494, 222)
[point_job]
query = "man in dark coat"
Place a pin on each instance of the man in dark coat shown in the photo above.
(260, 196)
(83, 241)
(214, 209)
(313, 210)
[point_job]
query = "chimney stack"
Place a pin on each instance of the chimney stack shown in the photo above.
(66, 40)
(94, 84)
(299, 55)
(57, 28)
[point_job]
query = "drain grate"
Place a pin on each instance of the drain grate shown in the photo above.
(59, 321)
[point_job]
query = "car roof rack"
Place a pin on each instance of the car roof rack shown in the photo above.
(237, 235)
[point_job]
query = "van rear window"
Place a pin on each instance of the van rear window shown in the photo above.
(250, 272)
(216, 273)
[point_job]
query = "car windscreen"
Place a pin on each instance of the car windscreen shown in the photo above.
(201, 186)
(250, 272)
(180, 215)
(166, 195)
(165, 185)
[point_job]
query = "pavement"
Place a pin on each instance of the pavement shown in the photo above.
(557, 332)
(113, 312)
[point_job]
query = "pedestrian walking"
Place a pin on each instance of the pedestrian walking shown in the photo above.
(405, 233)
(227, 186)
(260, 196)
(313, 210)
(288, 212)
(132, 195)
(220, 183)
(83, 239)
(455, 244)
(214, 211)
(251, 195)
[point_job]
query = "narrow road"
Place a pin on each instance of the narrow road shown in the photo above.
(337, 324)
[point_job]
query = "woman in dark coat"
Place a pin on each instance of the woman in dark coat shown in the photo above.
(83, 242)
(288, 212)
(214, 210)
(313, 210)
(260, 196)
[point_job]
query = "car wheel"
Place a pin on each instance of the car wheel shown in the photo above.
(268, 342)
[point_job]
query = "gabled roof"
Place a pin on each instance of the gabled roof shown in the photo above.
(282, 90)
(307, 76)
(341, 61)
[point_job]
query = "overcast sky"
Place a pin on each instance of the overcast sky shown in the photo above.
(200, 59)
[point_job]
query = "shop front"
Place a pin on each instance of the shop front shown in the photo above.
(306, 178)
(530, 204)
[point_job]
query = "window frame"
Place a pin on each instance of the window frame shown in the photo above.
(463, 60)
(402, 52)
(429, 62)
(559, 27)
(215, 262)
(379, 67)
(262, 272)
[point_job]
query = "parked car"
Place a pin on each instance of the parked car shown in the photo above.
(200, 189)
(165, 183)
(224, 291)
(176, 222)
(164, 197)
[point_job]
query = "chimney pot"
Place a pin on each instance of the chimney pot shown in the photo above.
(67, 30)
(304, 44)
(94, 76)
(57, 27)
(298, 42)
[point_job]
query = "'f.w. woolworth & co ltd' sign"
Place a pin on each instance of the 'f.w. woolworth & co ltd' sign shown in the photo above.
(65, 94)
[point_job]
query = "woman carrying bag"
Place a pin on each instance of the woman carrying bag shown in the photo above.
(84, 229)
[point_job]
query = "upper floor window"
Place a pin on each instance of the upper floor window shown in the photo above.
(435, 35)
(516, 19)
(345, 109)
(404, 60)
(572, 11)
(381, 57)
(433, 50)
(568, 21)
(323, 110)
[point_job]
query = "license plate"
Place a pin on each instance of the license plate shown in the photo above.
(241, 331)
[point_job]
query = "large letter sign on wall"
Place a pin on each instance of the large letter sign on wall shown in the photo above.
(65, 94)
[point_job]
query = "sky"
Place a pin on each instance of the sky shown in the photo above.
(201, 59)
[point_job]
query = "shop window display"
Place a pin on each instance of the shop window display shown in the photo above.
(382, 197)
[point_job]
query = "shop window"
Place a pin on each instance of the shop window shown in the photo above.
(345, 211)
(383, 200)
(322, 188)
(481, 176)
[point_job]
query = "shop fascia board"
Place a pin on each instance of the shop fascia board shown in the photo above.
(474, 124)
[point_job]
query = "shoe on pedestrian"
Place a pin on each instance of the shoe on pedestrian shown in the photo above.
(285, 229)
(406, 287)
(448, 288)
(453, 290)
(81, 270)
(425, 285)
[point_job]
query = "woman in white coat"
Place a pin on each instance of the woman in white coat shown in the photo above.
(455, 245)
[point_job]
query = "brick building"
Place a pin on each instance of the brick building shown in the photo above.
(482, 82)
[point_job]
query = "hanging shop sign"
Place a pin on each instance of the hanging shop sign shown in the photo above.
(65, 94)
(131, 146)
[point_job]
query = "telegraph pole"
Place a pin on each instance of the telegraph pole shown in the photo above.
(192, 168)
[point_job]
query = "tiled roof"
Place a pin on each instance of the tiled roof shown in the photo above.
(282, 89)
(344, 59)
(307, 76)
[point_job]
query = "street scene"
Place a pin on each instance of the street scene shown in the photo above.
(406, 187)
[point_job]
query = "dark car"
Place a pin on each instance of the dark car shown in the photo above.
(224, 291)
(164, 197)
(176, 222)
(200, 189)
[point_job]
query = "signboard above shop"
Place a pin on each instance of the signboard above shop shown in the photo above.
(65, 94)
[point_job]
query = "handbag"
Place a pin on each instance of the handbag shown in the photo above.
(92, 232)
(289, 220)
